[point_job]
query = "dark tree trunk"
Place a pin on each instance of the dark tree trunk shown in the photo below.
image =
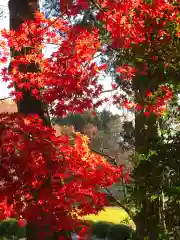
(21, 10)
(146, 133)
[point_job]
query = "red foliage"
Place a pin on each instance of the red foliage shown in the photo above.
(134, 21)
(42, 174)
(155, 102)
(58, 177)
(21, 223)
(69, 75)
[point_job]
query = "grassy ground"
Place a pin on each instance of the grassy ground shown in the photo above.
(114, 215)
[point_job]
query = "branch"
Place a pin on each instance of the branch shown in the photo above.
(111, 90)
(106, 156)
(108, 191)
(119, 203)
(3, 99)
(101, 9)
(96, 5)
(54, 21)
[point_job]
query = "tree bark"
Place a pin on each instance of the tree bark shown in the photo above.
(20, 11)
(146, 133)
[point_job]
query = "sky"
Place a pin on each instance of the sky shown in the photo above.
(4, 91)
(4, 23)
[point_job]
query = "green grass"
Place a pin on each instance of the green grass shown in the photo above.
(113, 215)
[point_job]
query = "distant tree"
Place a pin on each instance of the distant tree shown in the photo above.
(51, 8)
(109, 134)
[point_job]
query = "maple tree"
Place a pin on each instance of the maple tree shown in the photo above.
(40, 170)
(50, 178)
(43, 176)
(69, 77)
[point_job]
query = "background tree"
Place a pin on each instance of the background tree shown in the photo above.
(152, 71)
(51, 8)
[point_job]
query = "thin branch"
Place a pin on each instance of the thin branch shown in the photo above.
(101, 9)
(106, 156)
(108, 191)
(111, 90)
(96, 5)
(119, 203)
(54, 21)
(3, 99)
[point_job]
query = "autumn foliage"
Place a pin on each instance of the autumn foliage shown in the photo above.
(56, 179)
(42, 174)
(68, 78)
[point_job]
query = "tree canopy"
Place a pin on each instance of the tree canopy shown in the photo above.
(50, 180)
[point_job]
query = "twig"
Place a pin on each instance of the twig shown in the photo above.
(108, 191)
(54, 21)
(96, 5)
(106, 156)
(2, 99)
(111, 90)
(119, 203)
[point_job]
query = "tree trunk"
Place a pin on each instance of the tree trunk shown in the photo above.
(20, 11)
(146, 132)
